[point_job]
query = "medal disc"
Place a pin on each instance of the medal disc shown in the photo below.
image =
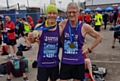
(71, 45)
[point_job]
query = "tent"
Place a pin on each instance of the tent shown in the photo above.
(98, 9)
(109, 8)
(118, 8)
(87, 10)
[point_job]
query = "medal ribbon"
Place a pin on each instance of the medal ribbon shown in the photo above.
(70, 32)
(45, 27)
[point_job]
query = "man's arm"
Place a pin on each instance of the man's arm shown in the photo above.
(34, 36)
(62, 24)
(87, 29)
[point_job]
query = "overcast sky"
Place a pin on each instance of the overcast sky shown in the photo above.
(37, 3)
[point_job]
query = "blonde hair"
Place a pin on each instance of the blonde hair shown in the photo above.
(73, 5)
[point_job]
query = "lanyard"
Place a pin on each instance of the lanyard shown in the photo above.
(70, 32)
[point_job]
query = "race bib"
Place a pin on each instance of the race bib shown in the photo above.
(7, 28)
(68, 49)
(50, 50)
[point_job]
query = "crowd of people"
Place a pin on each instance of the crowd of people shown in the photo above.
(112, 18)
(71, 32)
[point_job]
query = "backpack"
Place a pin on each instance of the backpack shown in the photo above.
(22, 47)
(3, 68)
(34, 64)
(4, 50)
(99, 73)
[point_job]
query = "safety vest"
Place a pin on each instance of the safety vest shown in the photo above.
(98, 19)
(26, 28)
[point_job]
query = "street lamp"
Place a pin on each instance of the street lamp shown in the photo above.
(28, 3)
(60, 3)
(92, 2)
(7, 4)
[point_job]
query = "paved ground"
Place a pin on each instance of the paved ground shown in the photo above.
(103, 55)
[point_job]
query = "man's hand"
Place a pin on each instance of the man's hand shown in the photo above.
(4, 31)
(85, 51)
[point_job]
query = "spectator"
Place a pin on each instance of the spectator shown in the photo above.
(98, 21)
(27, 26)
(81, 16)
(18, 67)
(26, 31)
(110, 18)
(40, 20)
(19, 27)
(118, 19)
(88, 65)
(115, 15)
(105, 19)
(10, 30)
(116, 36)
(59, 18)
(88, 18)
(30, 21)
(20, 30)
(1, 28)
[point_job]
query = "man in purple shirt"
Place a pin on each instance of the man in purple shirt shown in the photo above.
(72, 63)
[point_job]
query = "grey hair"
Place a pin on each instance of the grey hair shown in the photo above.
(73, 5)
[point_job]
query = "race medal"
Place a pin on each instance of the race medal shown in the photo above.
(71, 45)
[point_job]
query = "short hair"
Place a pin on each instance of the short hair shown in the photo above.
(7, 16)
(23, 19)
(26, 15)
(73, 5)
(17, 18)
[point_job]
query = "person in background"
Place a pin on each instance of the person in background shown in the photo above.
(10, 30)
(105, 19)
(81, 16)
(59, 18)
(88, 18)
(92, 19)
(20, 30)
(116, 36)
(40, 20)
(98, 21)
(19, 27)
(115, 15)
(17, 67)
(27, 28)
(118, 19)
(30, 21)
(110, 18)
(1, 28)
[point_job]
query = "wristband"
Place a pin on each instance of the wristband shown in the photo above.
(90, 51)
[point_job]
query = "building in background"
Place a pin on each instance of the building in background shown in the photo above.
(92, 4)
